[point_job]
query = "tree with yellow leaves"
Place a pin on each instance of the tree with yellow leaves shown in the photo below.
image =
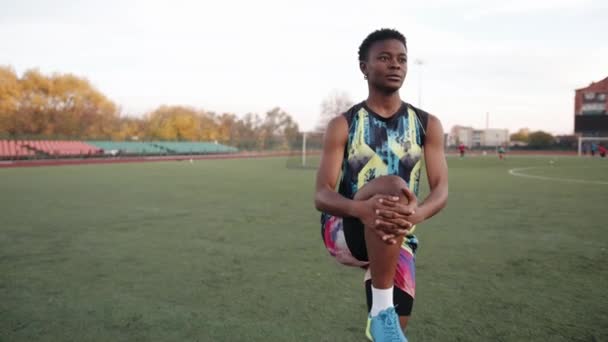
(67, 106)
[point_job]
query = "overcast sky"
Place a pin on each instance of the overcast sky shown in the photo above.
(519, 60)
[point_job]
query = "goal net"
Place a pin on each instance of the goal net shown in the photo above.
(590, 145)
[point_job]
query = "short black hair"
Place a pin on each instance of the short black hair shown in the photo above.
(376, 36)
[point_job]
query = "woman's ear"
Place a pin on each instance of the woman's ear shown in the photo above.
(363, 68)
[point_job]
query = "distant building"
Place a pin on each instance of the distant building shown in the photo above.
(591, 110)
(477, 138)
(471, 137)
(494, 137)
(461, 135)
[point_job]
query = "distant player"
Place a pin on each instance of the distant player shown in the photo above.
(585, 147)
(373, 155)
(501, 152)
(461, 149)
(602, 151)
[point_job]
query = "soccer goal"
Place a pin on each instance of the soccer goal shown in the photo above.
(306, 152)
(585, 144)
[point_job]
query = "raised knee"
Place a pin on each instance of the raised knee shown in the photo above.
(386, 185)
(393, 182)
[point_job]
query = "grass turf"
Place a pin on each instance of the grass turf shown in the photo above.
(230, 250)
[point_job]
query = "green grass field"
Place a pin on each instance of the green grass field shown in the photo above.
(230, 250)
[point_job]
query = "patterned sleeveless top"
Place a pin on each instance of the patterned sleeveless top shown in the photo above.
(380, 146)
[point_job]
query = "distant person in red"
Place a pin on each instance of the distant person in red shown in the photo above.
(602, 151)
(461, 148)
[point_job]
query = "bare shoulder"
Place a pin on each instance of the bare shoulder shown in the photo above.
(337, 123)
(434, 119)
(434, 126)
(337, 129)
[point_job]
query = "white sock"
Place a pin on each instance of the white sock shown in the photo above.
(382, 299)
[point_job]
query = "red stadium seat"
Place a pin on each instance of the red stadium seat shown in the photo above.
(24, 148)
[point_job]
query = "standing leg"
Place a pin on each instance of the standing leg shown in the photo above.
(383, 257)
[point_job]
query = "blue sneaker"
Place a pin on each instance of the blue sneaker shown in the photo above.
(385, 327)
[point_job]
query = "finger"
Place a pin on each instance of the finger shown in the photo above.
(398, 209)
(384, 225)
(394, 211)
(387, 238)
(393, 237)
(411, 197)
(391, 198)
(386, 203)
(391, 216)
(400, 232)
(399, 216)
(401, 223)
(383, 235)
(400, 227)
(380, 234)
(384, 213)
(394, 231)
(406, 209)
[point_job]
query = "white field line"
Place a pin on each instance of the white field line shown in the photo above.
(517, 172)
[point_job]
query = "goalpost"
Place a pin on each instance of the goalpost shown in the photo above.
(305, 151)
(581, 140)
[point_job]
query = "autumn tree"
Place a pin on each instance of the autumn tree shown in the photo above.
(129, 128)
(521, 135)
(174, 123)
(57, 105)
(540, 139)
(10, 92)
(336, 103)
(67, 106)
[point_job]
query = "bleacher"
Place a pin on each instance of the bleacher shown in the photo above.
(10, 149)
(128, 147)
(30, 149)
(60, 147)
(194, 147)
